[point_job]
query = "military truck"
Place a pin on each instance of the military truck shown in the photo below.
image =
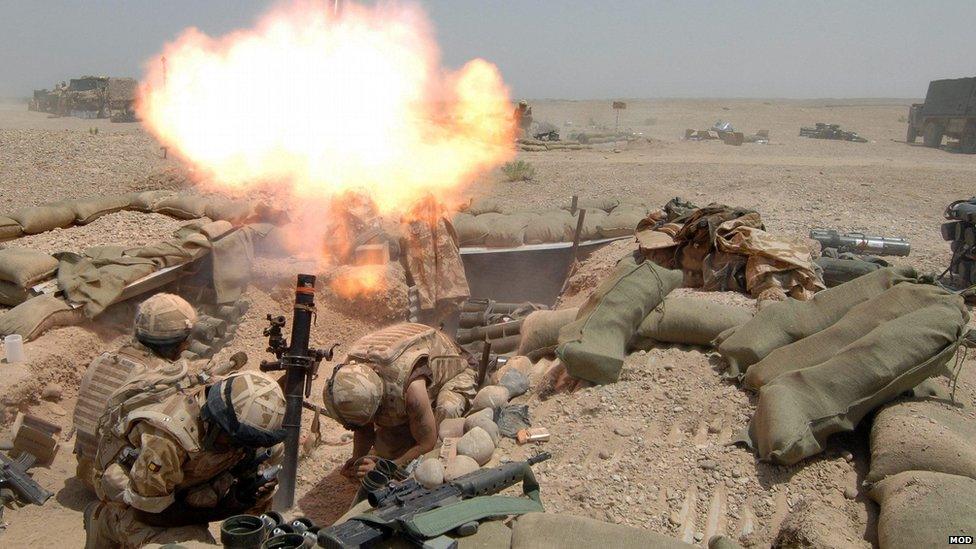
(949, 110)
(84, 97)
(120, 99)
(43, 101)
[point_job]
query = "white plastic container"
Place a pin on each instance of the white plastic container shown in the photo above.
(14, 348)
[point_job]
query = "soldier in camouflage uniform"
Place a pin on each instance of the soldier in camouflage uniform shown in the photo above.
(185, 453)
(393, 390)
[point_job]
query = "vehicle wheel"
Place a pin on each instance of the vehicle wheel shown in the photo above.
(932, 136)
(912, 134)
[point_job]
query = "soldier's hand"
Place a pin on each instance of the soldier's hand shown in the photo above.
(266, 489)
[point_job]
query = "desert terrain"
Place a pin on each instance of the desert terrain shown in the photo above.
(649, 451)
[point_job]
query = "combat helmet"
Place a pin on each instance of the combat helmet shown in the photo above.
(353, 394)
(249, 407)
(164, 319)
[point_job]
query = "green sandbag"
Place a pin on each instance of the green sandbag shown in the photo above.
(9, 228)
(37, 315)
(691, 321)
(780, 324)
(798, 410)
(90, 209)
(26, 267)
(146, 201)
(594, 346)
(540, 330)
(858, 322)
(923, 509)
(622, 221)
(552, 531)
(471, 230)
(550, 227)
(839, 271)
(507, 231)
(925, 435)
(183, 206)
(40, 219)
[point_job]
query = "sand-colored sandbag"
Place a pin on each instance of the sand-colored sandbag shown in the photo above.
(482, 421)
(484, 205)
(25, 267)
(9, 228)
(858, 322)
(491, 396)
(591, 224)
(780, 324)
(471, 230)
(540, 330)
(561, 531)
(38, 315)
(458, 466)
(452, 427)
(183, 206)
(12, 294)
(90, 209)
(926, 435)
(799, 409)
(506, 231)
(147, 201)
(430, 473)
(520, 363)
(622, 221)
(548, 227)
(39, 219)
(606, 205)
(540, 369)
(477, 444)
(691, 321)
(922, 509)
(593, 347)
(234, 211)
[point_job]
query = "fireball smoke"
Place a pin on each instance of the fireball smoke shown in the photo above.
(315, 102)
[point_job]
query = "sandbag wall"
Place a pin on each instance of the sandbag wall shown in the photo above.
(537, 145)
(485, 223)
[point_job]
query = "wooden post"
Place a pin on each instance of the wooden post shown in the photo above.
(483, 365)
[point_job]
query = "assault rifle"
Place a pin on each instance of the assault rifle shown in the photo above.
(398, 507)
(14, 477)
(301, 365)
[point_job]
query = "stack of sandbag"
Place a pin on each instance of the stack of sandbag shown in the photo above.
(593, 346)
(688, 321)
(20, 269)
(827, 381)
(538, 145)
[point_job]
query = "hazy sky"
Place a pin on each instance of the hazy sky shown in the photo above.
(561, 49)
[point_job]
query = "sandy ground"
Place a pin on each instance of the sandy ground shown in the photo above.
(637, 452)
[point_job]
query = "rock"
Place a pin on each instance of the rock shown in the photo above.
(52, 393)
(485, 422)
(492, 396)
(850, 492)
(430, 473)
(476, 444)
(623, 430)
(708, 464)
(451, 428)
(699, 536)
(516, 382)
(459, 466)
(605, 454)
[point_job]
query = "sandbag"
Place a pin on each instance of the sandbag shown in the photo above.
(506, 231)
(799, 409)
(25, 267)
(38, 315)
(603, 204)
(183, 206)
(691, 321)
(922, 436)
(9, 228)
(540, 330)
(90, 209)
(12, 294)
(922, 509)
(39, 219)
(550, 227)
(780, 324)
(591, 224)
(593, 346)
(622, 221)
(225, 209)
(552, 531)
(483, 205)
(147, 201)
(838, 271)
(471, 230)
(858, 322)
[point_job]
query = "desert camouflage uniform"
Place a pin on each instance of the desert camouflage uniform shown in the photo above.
(434, 258)
(171, 461)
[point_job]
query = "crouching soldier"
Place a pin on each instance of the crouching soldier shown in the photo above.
(394, 388)
(175, 456)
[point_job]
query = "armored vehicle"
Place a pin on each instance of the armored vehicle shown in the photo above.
(949, 110)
